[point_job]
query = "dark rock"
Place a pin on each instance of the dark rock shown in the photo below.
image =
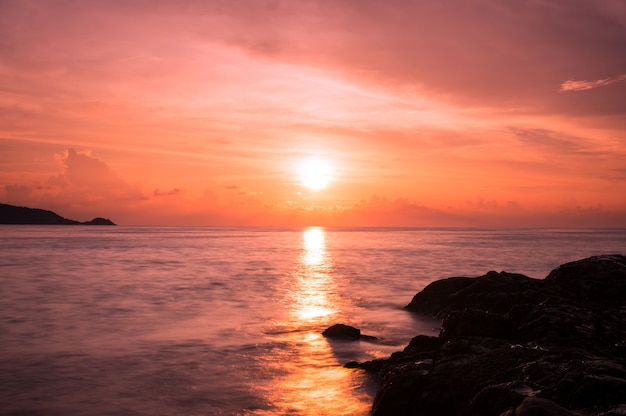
(476, 322)
(352, 364)
(492, 399)
(373, 367)
(342, 331)
(535, 406)
(599, 280)
(424, 344)
(512, 345)
(493, 292)
(347, 332)
(408, 389)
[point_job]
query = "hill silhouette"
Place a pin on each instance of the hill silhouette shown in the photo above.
(10, 214)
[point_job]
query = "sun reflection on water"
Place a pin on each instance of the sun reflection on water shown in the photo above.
(314, 245)
(313, 284)
(314, 381)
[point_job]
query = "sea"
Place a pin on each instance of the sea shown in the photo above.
(98, 320)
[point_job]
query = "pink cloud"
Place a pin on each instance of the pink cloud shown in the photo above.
(85, 185)
(417, 101)
(572, 85)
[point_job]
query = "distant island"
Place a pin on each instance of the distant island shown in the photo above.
(10, 214)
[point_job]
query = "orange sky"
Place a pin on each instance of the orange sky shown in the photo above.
(455, 113)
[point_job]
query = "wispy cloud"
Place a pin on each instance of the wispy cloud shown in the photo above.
(573, 85)
(174, 191)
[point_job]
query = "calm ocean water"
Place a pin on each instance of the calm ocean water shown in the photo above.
(227, 321)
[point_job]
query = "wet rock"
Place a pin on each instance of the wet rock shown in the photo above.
(424, 344)
(535, 406)
(512, 345)
(599, 280)
(342, 331)
(491, 399)
(493, 292)
(346, 332)
(476, 322)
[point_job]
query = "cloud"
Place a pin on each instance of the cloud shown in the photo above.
(86, 186)
(174, 191)
(556, 144)
(572, 85)
(17, 192)
(411, 98)
(85, 171)
(400, 42)
(426, 43)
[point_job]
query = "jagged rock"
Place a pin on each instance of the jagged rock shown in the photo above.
(424, 343)
(493, 292)
(535, 406)
(598, 280)
(476, 322)
(515, 346)
(499, 396)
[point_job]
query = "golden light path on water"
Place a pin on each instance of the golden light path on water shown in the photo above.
(311, 299)
(314, 381)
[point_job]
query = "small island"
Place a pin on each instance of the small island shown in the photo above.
(10, 214)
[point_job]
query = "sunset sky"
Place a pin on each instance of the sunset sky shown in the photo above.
(332, 112)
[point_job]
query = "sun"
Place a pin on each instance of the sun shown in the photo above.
(315, 173)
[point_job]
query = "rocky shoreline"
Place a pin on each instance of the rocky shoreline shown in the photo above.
(511, 345)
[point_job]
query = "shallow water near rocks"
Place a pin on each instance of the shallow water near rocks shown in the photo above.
(228, 321)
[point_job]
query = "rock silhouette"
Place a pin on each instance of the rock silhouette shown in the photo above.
(346, 332)
(511, 345)
(10, 214)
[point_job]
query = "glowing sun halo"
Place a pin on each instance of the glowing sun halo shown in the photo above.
(315, 173)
